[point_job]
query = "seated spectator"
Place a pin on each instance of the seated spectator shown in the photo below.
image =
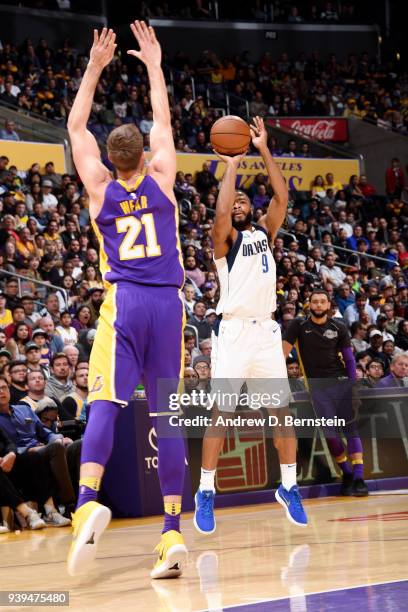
(35, 389)
(94, 303)
(375, 350)
(18, 316)
(11, 468)
(82, 320)
(18, 380)
(68, 334)
(188, 298)
(9, 132)
(33, 358)
(17, 343)
(359, 333)
(6, 317)
(401, 339)
(72, 354)
(330, 272)
(193, 272)
(59, 383)
(398, 375)
(74, 403)
(344, 297)
(25, 429)
(359, 311)
(374, 373)
(53, 341)
(199, 321)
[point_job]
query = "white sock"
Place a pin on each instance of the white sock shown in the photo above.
(288, 474)
(207, 480)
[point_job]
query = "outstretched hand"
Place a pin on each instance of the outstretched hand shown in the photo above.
(259, 133)
(103, 48)
(231, 160)
(150, 50)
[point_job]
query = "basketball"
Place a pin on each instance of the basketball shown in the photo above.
(230, 135)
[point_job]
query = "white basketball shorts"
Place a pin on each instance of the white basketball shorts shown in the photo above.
(249, 351)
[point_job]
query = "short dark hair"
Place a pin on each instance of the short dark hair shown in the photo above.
(58, 356)
(320, 292)
(15, 363)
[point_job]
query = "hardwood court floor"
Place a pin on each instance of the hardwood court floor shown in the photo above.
(255, 558)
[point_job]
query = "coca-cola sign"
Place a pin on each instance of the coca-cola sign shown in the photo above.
(322, 128)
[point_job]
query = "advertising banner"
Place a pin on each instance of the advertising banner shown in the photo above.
(299, 172)
(24, 154)
(325, 129)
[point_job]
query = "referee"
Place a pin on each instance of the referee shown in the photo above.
(324, 349)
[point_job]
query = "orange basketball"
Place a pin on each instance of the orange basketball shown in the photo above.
(230, 135)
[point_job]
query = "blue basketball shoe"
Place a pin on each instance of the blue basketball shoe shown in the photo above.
(204, 520)
(292, 502)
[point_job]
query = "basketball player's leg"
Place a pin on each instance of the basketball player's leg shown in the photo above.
(347, 407)
(229, 364)
(162, 374)
(115, 370)
(269, 376)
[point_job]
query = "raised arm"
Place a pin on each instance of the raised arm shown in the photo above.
(85, 150)
(276, 212)
(163, 162)
(223, 234)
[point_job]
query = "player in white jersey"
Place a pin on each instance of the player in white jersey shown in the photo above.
(248, 345)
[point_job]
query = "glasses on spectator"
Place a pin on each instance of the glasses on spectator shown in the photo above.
(202, 367)
(19, 371)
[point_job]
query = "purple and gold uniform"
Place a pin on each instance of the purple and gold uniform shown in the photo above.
(140, 330)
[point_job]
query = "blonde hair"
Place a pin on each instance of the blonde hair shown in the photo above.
(125, 147)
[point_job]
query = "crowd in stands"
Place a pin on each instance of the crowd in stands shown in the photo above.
(348, 239)
(47, 330)
(36, 78)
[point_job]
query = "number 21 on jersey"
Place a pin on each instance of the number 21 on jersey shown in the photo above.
(132, 226)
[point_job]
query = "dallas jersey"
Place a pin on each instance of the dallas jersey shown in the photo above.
(137, 229)
(247, 276)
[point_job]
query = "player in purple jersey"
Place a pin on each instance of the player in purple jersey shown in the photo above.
(135, 219)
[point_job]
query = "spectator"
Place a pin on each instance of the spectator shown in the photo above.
(394, 179)
(82, 321)
(49, 201)
(53, 341)
(5, 313)
(94, 303)
(392, 321)
(359, 333)
(9, 132)
(36, 381)
(18, 380)
(398, 374)
(59, 383)
(25, 429)
(14, 468)
(374, 373)
(199, 321)
(330, 272)
(72, 354)
(68, 334)
(33, 357)
(359, 311)
(401, 338)
(17, 343)
(375, 350)
(72, 404)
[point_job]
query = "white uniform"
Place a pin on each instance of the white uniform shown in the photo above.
(248, 346)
